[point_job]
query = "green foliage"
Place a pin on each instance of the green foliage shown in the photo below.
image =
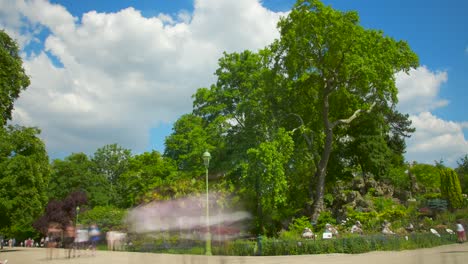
(266, 174)
(398, 178)
(146, 172)
(341, 69)
(75, 173)
(299, 224)
(110, 162)
(437, 205)
(13, 78)
(430, 196)
(348, 245)
(187, 143)
(324, 218)
(369, 220)
(106, 217)
(427, 175)
(450, 187)
(462, 171)
(381, 203)
(24, 175)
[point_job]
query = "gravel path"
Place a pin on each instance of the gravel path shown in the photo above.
(449, 254)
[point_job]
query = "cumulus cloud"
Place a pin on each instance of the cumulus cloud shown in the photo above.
(435, 139)
(111, 77)
(419, 89)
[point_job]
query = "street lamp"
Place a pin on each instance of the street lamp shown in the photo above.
(206, 161)
(77, 213)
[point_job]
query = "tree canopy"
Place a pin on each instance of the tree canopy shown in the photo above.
(13, 78)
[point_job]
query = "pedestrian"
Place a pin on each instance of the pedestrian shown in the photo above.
(94, 234)
(69, 239)
(81, 239)
(460, 232)
(54, 232)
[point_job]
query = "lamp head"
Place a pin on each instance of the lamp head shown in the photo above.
(206, 158)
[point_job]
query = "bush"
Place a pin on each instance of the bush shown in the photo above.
(295, 228)
(450, 188)
(106, 217)
(324, 218)
(352, 244)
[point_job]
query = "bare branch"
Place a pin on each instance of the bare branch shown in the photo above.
(239, 122)
(308, 139)
(351, 118)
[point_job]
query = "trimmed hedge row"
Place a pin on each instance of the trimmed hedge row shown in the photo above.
(350, 245)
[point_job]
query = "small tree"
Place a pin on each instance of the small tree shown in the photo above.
(450, 187)
(61, 212)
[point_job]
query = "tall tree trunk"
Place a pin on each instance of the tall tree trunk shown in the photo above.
(321, 171)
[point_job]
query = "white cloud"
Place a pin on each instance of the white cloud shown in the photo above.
(124, 73)
(418, 91)
(435, 139)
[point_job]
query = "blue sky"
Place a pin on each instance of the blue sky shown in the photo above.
(76, 51)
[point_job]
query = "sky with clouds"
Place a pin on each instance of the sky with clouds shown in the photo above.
(123, 71)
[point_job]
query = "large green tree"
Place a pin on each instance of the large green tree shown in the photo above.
(145, 173)
(189, 139)
(75, 173)
(13, 78)
(111, 161)
(24, 175)
(343, 67)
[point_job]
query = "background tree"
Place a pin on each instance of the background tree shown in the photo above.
(427, 176)
(106, 217)
(13, 78)
(188, 140)
(450, 188)
(145, 172)
(61, 211)
(267, 181)
(24, 175)
(462, 171)
(111, 161)
(348, 68)
(75, 173)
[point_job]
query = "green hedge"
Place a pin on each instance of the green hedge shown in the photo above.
(350, 245)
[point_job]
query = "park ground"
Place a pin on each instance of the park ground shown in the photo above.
(448, 254)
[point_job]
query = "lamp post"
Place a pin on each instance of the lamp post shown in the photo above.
(77, 213)
(206, 161)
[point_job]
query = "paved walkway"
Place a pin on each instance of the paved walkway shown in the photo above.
(449, 254)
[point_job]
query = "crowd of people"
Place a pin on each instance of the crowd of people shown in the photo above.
(73, 239)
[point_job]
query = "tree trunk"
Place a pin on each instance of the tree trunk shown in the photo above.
(321, 171)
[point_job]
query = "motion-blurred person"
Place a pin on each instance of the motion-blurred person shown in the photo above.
(69, 239)
(460, 232)
(54, 232)
(94, 234)
(81, 239)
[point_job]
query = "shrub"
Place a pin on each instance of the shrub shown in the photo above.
(351, 244)
(324, 218)
(450, 187)
(106, 217)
